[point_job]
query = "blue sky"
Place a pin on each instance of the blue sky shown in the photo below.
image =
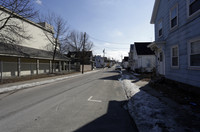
(111, 24)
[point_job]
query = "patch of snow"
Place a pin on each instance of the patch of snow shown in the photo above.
(28, 85)
(135, 74)
(148, 112)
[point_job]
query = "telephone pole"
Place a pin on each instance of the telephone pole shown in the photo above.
(83, 52)
(104, 53)
(104, 58)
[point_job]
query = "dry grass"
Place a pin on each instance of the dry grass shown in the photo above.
(176, 93)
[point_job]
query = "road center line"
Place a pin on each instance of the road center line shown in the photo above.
(92, 100)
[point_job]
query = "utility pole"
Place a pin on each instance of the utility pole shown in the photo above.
(104, 53)
(83, 52)
(104, 58)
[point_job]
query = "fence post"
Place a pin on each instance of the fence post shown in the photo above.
(59, 66)
(50, 66)
(37, 66)
(18, 67)
(30, 68)
(1, 70)
(69, 66)
(65, 64)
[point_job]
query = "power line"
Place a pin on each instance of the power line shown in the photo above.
(117, 43)
(106, 41)
(110, 48)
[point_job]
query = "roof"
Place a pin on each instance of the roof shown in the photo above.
(142, 49)
(126, 58)
(155, 10)
(21, 51)
(79, 54)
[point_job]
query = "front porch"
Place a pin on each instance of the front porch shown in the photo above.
(159, 50)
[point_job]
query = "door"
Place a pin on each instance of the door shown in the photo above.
(161, 63)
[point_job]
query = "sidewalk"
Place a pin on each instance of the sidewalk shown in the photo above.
(153, 111)
(36, 82)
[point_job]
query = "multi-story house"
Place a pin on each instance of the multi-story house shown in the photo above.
(28, 56)
(177, 40)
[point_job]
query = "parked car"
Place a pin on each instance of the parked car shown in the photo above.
(118, 68)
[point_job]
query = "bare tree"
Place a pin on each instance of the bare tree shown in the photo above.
(75, 42)
(58, 29)
(79, 42)
(11, 12)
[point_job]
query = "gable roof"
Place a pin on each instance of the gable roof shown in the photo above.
(155, 10)
(126, 58)
(142, 49)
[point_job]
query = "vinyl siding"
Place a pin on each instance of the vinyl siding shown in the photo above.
(188, 28)
(37, 40)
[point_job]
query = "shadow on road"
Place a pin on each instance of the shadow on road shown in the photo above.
(116, 119)
(114, 77)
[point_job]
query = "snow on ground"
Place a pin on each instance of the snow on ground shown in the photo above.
(148, 112)
(33, 84)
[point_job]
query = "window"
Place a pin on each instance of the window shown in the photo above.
(160, 29)
(194, 6)
(161, 57)
(174, 17)
(194, 57)
(175, 56)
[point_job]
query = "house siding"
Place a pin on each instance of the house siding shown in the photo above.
(187, 29)
(28, 56)
(143, 62)
(147, 62)
(36, 32)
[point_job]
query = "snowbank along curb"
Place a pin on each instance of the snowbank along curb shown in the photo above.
(148, 112)
(28, 85)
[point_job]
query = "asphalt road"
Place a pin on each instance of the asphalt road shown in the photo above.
(91, 102)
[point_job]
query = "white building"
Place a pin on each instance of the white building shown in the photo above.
(29, 56)
(99, 62)
(125, 63)
(141, 58)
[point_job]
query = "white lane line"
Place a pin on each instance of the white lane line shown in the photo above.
(92, 100)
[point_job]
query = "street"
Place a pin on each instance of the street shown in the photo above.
(89, 102)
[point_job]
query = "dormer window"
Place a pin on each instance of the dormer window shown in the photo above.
(194, 6)
(160, 29)
(174, 17)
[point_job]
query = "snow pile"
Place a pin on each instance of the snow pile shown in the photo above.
(28, 85)
(149, 114)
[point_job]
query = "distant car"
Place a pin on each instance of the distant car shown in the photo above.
(118, 68)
